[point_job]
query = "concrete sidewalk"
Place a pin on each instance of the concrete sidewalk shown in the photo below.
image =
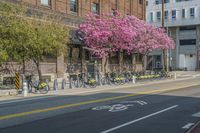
(84, 91)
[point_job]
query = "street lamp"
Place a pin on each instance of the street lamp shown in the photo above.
(165, 59)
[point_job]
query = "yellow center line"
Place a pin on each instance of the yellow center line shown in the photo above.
(9, 116)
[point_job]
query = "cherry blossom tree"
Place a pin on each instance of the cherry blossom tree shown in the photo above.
(107, 33)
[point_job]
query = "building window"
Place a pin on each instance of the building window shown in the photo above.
(160, 1)
(151, 17)
(188, 42)
(46, 2)
(147, 3)
(192, 12)
(173, 14)
(187, 28)
(95, 8)
(183, 0)
(141, 2)
(114, 12)
(157, 2)
(166, 14)
(158, 14)
(74, 6)
(183, 13)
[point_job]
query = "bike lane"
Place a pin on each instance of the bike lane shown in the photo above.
(158, 108)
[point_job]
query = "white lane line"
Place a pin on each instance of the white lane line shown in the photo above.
(187, 126)
(142, 118)
(196, 114)
(22, 100)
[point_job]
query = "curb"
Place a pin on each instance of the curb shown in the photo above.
(8, 93)
(99, 89)
(192, 129)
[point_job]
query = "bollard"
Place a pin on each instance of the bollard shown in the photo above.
(63, 84)
(174, 75)
(70, 82)
(55, 85)
(78, 82)
(25, 88)
(133, 79)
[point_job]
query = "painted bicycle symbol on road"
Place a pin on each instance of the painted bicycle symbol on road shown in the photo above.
(124, 105)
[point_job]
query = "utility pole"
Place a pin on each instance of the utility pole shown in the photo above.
(165, 67)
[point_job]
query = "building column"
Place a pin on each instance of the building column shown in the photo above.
(198, 48)
(120, 62)
(144, 63)
(133, 62)
(83, 63)
(60, 66)
(104, 65)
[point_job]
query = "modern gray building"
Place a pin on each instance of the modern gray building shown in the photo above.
(182, 19)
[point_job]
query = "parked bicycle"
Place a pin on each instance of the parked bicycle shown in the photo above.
(82, 81)
(113, 78)
(39, 86)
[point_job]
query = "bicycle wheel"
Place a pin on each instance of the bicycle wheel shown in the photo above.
(93, 85)
(43, 88)
(117, 81)
(103, 81)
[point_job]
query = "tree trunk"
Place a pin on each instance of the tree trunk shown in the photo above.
(144, 63)
(39, 71)
(106, 65)
(23, 67)
(37, 63)
(164, 61)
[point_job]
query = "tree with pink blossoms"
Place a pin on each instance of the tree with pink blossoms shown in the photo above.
(107, 33)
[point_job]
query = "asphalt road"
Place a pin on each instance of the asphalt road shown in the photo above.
(131, 110)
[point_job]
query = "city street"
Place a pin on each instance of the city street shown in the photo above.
(171, 107)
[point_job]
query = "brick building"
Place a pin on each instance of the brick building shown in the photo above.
(77, 58)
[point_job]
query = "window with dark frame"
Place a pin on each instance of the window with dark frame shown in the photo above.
(158, 15)
(166, 14)
(74, 6)
(188, 42)
(173, 14)
(160, 1)
(151, 16)
(114, 6)
(141, 2)
(192, 12)
(45, 2)
(95, 8)
(187, 28)
(183, 13)
(147, 3)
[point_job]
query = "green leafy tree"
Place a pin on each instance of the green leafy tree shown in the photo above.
(24, 38)
(45, 37)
